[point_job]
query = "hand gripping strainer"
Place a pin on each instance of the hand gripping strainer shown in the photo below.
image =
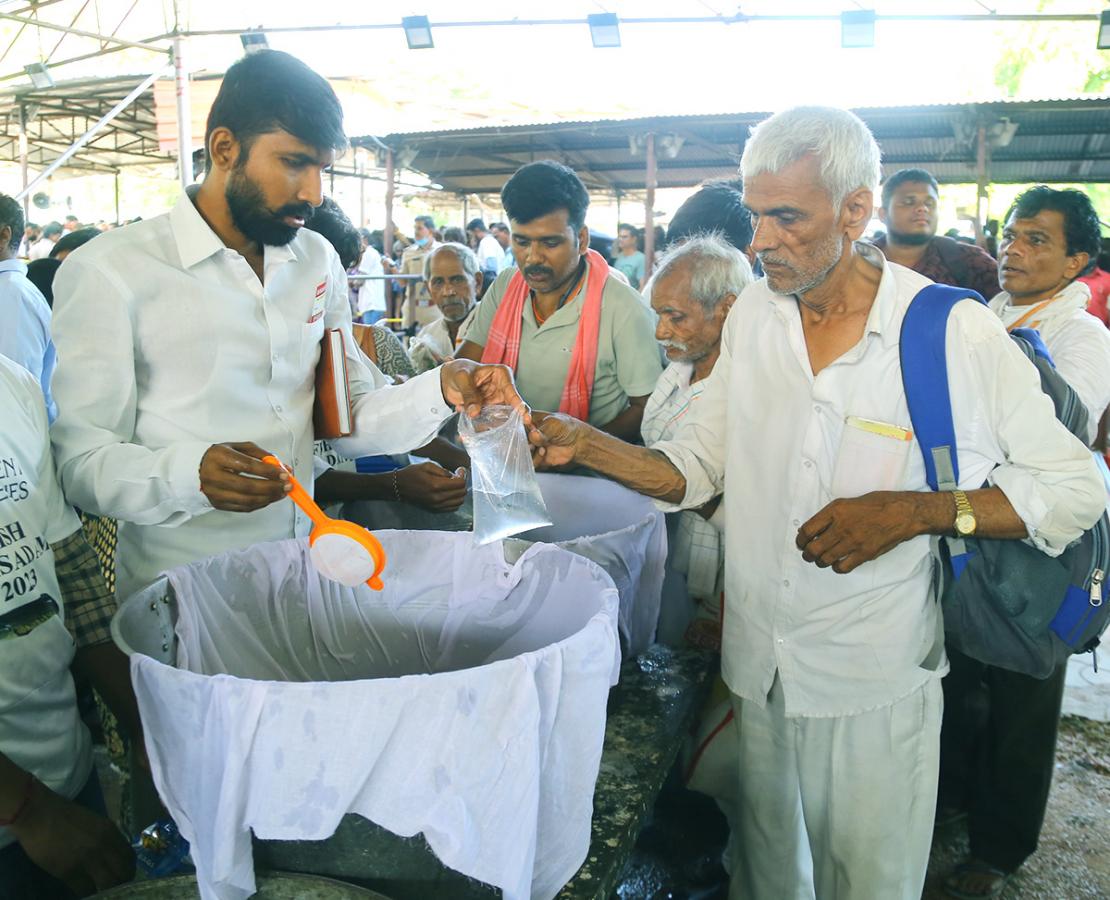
(340, 550)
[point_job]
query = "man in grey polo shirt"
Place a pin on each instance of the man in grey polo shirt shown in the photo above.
(546, 204)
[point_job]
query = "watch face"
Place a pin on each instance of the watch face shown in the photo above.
(965, 523)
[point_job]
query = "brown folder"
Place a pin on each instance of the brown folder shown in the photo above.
(331, 413)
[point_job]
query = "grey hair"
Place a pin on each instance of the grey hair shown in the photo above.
(467, 258)
(849, 157)
(717, 268)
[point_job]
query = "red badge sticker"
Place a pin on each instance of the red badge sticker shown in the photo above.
(321, 289)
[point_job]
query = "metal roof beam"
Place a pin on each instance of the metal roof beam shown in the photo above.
(80, 32)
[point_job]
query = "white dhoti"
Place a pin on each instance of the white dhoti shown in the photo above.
(836, 808)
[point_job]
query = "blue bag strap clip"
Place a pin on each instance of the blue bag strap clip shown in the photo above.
(921, 347)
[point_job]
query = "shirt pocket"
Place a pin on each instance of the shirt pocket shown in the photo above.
(311, 335)
(872, 457)
(34, 662)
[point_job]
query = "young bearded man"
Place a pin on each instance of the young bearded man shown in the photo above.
(188, 342)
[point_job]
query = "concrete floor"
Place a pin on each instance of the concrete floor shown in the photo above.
(1086, 691)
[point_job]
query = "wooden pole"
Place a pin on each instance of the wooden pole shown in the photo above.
(649, 206)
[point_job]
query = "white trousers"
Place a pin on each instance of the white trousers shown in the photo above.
(835, 808)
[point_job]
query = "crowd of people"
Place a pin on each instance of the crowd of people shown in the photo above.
(145, 379)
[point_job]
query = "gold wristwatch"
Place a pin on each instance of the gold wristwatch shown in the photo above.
(965, 515)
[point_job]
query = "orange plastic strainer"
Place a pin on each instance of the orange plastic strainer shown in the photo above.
(340, 550)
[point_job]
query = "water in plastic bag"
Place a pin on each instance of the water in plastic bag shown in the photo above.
(507, 499)
(160, 850)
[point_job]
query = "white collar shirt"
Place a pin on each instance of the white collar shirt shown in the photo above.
(25, 327)
(371, 292)
(844, 644)
(489, 253)
(697, 545)
(40, 249)
(1078, 342)
(170, 343)
(433, 346)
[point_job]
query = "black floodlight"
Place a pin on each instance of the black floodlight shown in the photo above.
(1104, 30)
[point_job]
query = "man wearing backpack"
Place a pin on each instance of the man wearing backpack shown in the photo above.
(909, 211)
(998, 771)
(831, 643)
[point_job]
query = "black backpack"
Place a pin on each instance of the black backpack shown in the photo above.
(1004, 602)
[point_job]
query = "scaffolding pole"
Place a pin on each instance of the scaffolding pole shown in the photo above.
(23, 150)
(651, 177)
(184, 114)
(390, 189)
(88, 135)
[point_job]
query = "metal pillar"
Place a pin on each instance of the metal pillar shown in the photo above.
(651, 177)
(980, 181)
(23, 158)
(617, 229)
(88, 135)
(390, 190)
(466, 209)
(184, 114)
(361, 168)
(117, 198)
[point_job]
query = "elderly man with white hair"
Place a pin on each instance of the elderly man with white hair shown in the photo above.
(454, 282)
(832, 646)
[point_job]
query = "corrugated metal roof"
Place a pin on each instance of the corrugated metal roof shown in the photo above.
(1055, 140)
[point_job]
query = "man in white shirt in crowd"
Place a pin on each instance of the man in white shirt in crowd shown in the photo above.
(504, 238)
(188, 342)
(489, 249)
(56, 841)
(41, 248)
(24, 312)
(31, 234)
(417, 308)
(832, 644)
(370, 305)
(997, 769)
(451, 271)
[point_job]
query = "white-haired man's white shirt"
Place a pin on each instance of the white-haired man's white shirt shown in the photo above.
(836, 677)
(698, 548)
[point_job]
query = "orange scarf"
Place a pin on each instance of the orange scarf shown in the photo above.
(503, 344)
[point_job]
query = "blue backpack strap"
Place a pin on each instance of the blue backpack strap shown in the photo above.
(1034, 339)
(925, 380)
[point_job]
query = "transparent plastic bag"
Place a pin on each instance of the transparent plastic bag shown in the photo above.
(507, 499)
